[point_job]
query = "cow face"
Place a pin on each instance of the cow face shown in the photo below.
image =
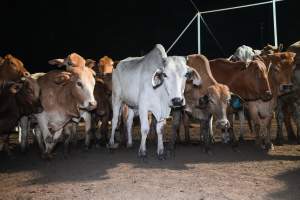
(27, 94)
(105, 65)
(281, 70)
(81, 78)
(216, 102)
(173, 77)
(12, 69)
(258, 80)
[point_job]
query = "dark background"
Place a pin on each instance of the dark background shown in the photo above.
(36, 31)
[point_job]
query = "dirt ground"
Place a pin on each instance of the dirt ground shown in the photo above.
(249, 173)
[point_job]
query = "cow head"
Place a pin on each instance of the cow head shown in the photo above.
(257, 80)
(281, 70)
(81, 78)
(216, 102)
(106, 65)
(173, 76)
(27, 94)
(12, 68)
(269, 49)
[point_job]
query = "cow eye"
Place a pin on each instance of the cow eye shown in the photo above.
(79, 84)
(164, 75)
(188, 75)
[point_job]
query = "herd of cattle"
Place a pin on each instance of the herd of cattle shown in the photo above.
(251, 83)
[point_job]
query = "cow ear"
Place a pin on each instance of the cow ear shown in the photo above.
(58, 61)
(280, 47)
(62, 78)
(15, 88)
(194, 76)
(157, 78)
(90, 63)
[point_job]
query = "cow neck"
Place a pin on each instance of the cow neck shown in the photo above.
(274, 85)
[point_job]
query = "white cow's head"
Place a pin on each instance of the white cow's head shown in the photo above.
(83, 78)
(173, 76)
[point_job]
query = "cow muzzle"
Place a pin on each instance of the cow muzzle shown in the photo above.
(222, 124)
(177, 102)
(267, 96)
(285, 88)
(92, 105)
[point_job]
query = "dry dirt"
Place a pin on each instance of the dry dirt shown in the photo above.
(249, 173)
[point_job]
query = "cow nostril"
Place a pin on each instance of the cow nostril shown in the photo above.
(93, 103)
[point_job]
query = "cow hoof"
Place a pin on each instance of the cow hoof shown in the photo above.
(129, 145)
(291, 137)
(112, 146)
(162, 156)
(241, 139)
(270, 147)
(47, 156)
(142, 154)
(208, 151)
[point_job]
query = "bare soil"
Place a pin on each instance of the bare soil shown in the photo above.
(249, 173)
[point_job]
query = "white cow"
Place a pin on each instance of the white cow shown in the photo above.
(244, 53)
(154, 83)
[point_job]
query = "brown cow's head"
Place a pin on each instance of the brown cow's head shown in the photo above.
(27, 94)
(281, 70)
(216, 101)
(12, 69)
(257, 80)
(81, 78)
(269, 49)
(106, 65)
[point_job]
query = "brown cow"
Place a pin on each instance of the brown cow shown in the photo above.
(64, 96)
(16, 100)
(211, 97)
(247, 80)
(280, 72)
(12, 69)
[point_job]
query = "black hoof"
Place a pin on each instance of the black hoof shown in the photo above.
(162, 156)
(269, 147)
(208, 150)
(241, 139)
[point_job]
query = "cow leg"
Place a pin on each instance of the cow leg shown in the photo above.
(242, 120)
(232, 136)
(50, 146)
(24, 123)
(69, 133)
(269, 144)
(257, 128)
(160, 142)
(116, 114)
(279, 119)
(6, 144)
(186, 124)
(129, 123)
(204, 130)
(144, 132)
(288, 126)
(39, 138)
(104, 129)
(43, 125)
(296, 115)
(176, 114)
(211, 132)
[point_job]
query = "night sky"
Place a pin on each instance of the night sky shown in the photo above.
(36, 31)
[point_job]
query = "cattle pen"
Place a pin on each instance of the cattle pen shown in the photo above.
(94, 107)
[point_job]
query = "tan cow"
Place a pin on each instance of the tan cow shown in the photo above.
(203, 100)
(280, 73)
(64, 94)
(12, 69)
